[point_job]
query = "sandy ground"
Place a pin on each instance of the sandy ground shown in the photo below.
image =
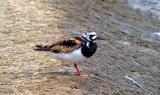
(127, 50)
(25, 23)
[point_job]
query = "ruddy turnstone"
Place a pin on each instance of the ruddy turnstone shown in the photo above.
(76, 49)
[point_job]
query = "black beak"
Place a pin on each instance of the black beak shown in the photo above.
(100, 38)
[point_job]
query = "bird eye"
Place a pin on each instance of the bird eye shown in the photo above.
(91, 35)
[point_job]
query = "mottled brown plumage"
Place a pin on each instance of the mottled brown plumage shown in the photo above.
(64, 46)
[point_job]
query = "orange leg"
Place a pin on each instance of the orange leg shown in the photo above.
(77, 69)
(82, 75)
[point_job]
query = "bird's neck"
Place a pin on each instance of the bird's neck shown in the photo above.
(88, 48)
(85, 39)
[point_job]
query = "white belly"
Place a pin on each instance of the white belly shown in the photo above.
(74, 56)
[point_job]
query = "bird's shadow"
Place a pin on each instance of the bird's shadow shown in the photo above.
(66, 73)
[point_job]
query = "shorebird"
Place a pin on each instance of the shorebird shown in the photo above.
(75, 50)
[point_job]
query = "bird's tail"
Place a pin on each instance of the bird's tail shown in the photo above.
(40, 48)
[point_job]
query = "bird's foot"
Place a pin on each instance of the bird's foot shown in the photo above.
(84, 75)
(77, 73)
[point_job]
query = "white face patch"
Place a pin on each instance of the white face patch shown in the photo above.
(94, 37)
(90, 36)
(92, 33)
(88, 44)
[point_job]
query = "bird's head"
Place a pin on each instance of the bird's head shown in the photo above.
(90, 36)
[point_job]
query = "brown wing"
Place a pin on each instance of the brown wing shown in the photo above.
(61, 46)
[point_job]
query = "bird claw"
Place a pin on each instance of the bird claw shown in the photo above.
(84, 75)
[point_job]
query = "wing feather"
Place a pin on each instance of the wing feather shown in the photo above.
(64, 46)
